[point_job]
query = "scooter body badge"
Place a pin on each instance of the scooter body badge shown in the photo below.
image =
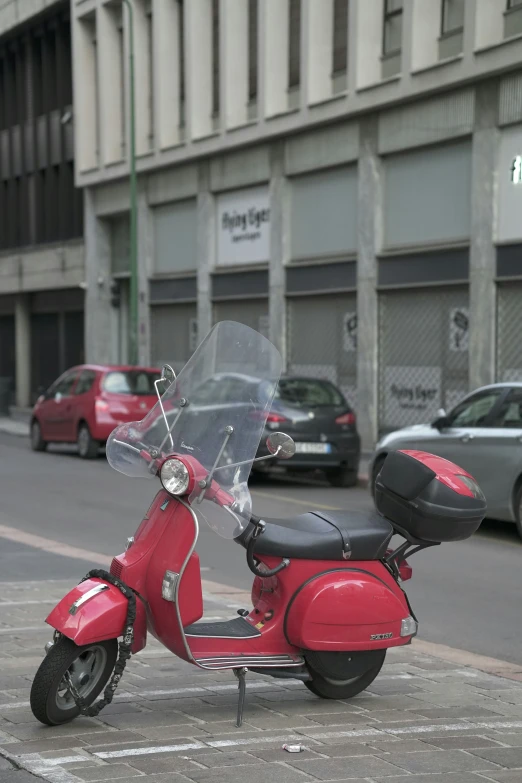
(165, 504)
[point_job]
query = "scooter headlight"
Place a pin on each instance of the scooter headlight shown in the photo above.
(175, 476)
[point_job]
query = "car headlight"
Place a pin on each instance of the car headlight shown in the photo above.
(175, 476)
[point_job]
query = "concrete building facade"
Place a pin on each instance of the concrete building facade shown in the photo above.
(41, 213)
(342, 175)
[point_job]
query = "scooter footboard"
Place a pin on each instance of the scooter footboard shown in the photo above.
(347, 609)
(94, 611)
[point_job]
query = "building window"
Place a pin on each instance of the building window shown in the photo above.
(38, 200)
(392, 34)
(123, 102)
(513, 18)
(452, 16)
(340, 37)
(451, 39)
(181, 54)
(294, 44)
(215, 58)
(150, 56)
(252, 50)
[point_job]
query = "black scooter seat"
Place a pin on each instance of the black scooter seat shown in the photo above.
(326, 535)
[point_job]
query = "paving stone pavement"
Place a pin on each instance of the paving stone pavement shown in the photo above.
(424, 720)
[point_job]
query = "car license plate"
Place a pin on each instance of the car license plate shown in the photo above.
(312, 448)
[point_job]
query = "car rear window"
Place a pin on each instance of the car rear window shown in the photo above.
(130, 382)
(308, 393)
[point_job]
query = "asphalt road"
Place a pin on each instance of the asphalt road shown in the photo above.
(466, 595)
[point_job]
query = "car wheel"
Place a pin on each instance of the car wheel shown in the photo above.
(37, 442)
(87, 447)
(377, 467)
(518, 510)
(342, 477)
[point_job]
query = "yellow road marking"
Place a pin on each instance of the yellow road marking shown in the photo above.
(289, 499)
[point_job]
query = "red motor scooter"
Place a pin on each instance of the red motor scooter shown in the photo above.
(327, 600)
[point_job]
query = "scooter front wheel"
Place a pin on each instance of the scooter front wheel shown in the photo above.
(330, 688)
(89, 667)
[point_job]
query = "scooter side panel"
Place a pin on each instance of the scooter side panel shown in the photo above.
(101, 617)
(347, 609)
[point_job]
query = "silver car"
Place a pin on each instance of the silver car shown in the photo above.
(482, 434)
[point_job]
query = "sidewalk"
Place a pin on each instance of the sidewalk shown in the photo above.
(424, 720)
(14, 427)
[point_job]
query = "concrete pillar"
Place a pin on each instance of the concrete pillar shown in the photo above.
(368, 244)
(318, 21)
(166, 20)
(206, 249)
(23, 350)
(145, 270)
(482, 255)
(98, 320)
(275, 26)
(279, 249)
(233, 15)
(198, 70)
(110, 63)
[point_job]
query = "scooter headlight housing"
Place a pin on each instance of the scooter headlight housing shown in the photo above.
(175, 476)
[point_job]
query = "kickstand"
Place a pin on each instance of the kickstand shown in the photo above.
(241, 676)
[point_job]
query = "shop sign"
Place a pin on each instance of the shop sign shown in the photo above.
(412, 395)
(459, 329)
(516, 170)
(243, 227)
(350, 332)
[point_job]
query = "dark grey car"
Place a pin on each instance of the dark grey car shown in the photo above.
(317, 416)
(482, 434)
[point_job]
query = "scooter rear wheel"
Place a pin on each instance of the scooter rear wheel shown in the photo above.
(89, 667)
(327, 688)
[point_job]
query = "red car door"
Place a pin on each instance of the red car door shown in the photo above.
(59, 413)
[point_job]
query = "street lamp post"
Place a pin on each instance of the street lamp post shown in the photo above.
(133, 320)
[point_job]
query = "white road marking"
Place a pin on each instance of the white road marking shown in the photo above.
(116, 754)
(28, 603)
(369, 732)
(52, 546)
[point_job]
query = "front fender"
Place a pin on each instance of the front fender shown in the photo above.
(99, 618)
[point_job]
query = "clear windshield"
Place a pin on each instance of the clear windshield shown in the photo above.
(216, 412)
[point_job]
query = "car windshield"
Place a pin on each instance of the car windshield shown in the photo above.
(130, 382)
(308, 393)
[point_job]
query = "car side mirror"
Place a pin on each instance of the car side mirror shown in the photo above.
(441, 423)
(58, 397)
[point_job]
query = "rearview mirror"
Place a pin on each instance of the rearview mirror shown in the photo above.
(168, 375)
(281, 445)
(440, 423)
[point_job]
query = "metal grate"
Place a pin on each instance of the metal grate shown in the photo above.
(322, 340)
(423, 354)
(509, 329)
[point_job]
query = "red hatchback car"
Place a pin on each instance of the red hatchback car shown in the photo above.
(87, 402)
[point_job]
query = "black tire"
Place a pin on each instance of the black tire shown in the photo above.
(51, 702)
(342, 477)
(37, 442)
(332, 689)
(518, 510)
(375, 472)
(88, 448)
